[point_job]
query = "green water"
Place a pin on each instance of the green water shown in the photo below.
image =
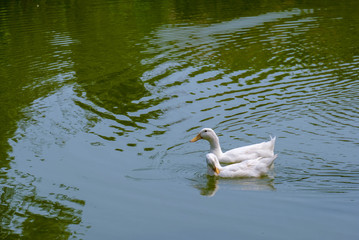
(99, 99)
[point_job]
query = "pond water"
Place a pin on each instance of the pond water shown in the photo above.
(99, 100)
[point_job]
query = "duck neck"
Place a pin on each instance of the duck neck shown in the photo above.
(215, 147)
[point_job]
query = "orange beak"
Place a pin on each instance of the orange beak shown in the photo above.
(196, 138)
(216, 170)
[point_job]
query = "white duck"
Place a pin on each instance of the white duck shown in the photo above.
(264, 149)
(257, 167)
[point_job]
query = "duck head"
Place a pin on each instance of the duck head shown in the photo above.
(206, 133)
(212, 163)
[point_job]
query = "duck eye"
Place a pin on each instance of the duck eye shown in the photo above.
(205, 130)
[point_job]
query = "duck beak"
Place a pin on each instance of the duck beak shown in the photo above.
(196, 138)
(216, 170)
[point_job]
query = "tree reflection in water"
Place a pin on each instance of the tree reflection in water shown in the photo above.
(27, 213)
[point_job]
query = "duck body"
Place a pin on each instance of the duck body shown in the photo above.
(257, 167)
(264, 149)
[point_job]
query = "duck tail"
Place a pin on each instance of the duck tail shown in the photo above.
(272, 141)
(274, 157)
(270, 160)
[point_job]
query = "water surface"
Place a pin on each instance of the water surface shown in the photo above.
(99, 101)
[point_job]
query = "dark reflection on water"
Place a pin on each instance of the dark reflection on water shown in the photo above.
(99, 100)
(22, 207)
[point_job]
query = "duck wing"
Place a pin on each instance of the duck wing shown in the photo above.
(264, 149)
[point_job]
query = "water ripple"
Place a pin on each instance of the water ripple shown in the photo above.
(247, 78)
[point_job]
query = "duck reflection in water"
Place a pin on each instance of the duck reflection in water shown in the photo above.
(209, 185)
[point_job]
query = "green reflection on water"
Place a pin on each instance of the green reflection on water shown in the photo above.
(98, 47)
